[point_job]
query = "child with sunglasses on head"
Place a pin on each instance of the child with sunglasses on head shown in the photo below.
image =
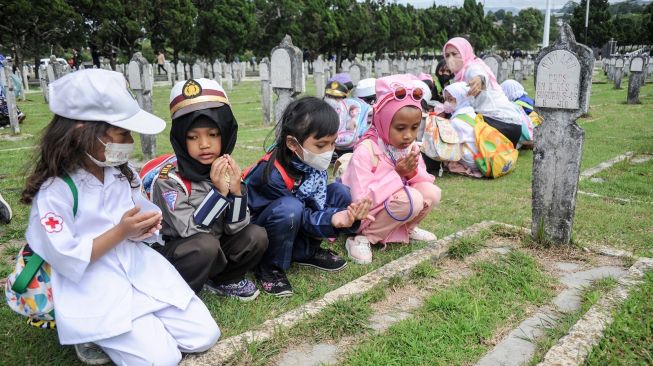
(290, 197)
(91, 223)
(387, 166)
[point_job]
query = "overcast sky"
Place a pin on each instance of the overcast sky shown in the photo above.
(495, 3)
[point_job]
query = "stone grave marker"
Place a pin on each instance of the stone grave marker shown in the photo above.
(649, 68)
(286, 74)
(266, 91)
(385, 67)
(243, 70)
(196, 71)
(140, 81)
(517, 70)
(503, 72)
(235, 71)
(402, 65)
(618, 73)
(24, 74)
(43, 80)
(493, 62)
(357, 72)
(10, 97)
(345, 65)
(636, 79)
(318, 76)
(217, 71)
(563, 76)
(332, 70)
(228, 75)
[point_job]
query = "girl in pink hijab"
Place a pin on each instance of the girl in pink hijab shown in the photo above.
(488, 98)
(387, 167)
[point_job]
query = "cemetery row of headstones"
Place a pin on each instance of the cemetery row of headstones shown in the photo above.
(637, 67)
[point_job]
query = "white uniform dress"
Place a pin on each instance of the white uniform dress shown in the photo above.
(491, 101)
(131, 301)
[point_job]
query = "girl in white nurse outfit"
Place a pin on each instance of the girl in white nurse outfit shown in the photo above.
(108, 286)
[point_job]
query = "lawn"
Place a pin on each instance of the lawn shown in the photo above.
(611, 128)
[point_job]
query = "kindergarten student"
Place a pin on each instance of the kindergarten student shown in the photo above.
(387, 166)
(516, 94)
(206, 227)
(458, 103)
(289, 196)
(109, 287)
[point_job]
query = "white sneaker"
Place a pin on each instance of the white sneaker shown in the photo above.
(422, 235)
(358, 249)
(91, 354)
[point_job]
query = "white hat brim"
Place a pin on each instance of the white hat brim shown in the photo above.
(142, 122)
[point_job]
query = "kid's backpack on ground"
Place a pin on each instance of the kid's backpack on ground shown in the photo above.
(496, 155)
(353, 115)
(534, 116)
(340, 166)
(441, 141)
(28, 289)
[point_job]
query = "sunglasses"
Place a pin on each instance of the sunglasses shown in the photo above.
(400, 93)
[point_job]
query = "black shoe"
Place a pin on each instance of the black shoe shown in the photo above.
(274, 282)
(5, 211)
(325, 260)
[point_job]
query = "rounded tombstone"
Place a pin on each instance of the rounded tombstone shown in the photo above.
(280, 75)
(619, 62)
(637, 64)
(492, 62)
(558, 81)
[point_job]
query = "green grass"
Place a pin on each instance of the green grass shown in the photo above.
(468, 245)
(589, 297)
(456, 324)
(611, 129)
(629, 339)
(624, 180)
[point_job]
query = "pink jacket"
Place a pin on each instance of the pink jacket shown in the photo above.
(379, 182)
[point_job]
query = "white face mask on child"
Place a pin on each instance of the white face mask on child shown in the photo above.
(317, 161)
(114, 154)
(449, 107)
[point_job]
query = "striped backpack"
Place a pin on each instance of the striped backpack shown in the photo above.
(496, 155)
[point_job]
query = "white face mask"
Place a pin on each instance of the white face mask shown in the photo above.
(317, 161)
(114, 154)
(449, 107)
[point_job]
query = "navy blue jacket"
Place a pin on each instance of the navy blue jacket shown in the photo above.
(315, 222)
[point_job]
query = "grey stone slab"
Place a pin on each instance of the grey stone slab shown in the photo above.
(517, 348)
(502, 250)
(309, 355)
(563, 79)
(583, 278)
(568, 266)
(597, 180)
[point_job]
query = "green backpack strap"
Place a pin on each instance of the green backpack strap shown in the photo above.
(34, 261)
(523, 104)
(467, 119)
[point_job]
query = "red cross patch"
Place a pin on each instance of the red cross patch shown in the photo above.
(52, 222)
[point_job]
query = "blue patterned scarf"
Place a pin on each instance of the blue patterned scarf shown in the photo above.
(314, 185)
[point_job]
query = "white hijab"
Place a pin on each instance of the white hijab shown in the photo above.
(512, 89)
(459, 91)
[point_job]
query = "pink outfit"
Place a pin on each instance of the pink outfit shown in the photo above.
(469, 59)
(384, 183)
(381, 182)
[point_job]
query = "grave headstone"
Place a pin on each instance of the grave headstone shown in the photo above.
(196, 71)
(503, 72)
(266, 91)
(493, 62)
(235, 72)
(563, 77)
(228, 75)
(517, 70)
(649, 68)
(356, 71)
(401, 66)
(636, 79)
(10, 97)
(385, 67)
(318, 76)
(618, 74)
(332, 70)
(43, 80)
(345, 65)
(168, 67)
(140, 80)
(286, 74)
(25, 74)
(217, 71)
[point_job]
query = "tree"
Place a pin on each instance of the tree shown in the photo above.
(275, 19)
(474, 25)
(173, 26)
(600, 28)
(33, 27)
(224, 27)
(648, 22)
(530, 24)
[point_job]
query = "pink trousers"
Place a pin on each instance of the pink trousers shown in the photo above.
(385, 229)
